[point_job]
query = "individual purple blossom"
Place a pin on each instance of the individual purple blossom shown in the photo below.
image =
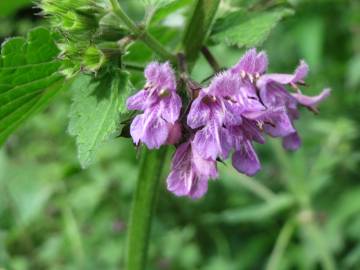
(217, 108)
(190, 172)
(160, 104)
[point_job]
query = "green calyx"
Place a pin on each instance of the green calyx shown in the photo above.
(89, 34)
(93, 58)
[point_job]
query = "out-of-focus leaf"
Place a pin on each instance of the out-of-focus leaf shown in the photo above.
(353, 74)
(95, 114)
(28, 78)
(166, 10)
(253, 213)
(247, 29)
(157, 3)
(8, 8)
(310, 36)
(29, 189)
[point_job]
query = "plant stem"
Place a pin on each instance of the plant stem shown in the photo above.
(280, 245)
(198, 28)
(142, 208)
(133, 67)
(142, 34)
(250, 184)
(210, 59)
(317, 237)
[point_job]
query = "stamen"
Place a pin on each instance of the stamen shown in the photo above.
(243, 74)
(164, 92)
(251, 77)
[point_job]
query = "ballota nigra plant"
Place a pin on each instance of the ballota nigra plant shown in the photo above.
(86, 49)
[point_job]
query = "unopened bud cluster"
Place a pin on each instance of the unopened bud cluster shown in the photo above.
(239, 107)
(89, 34)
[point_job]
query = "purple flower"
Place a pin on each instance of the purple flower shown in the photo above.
(160, 105)
(190, 172)
(245, 159)
(237, 108)
(251, 65)
(281, 105)
(217, 108)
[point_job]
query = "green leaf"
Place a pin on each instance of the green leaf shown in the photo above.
(8, 8)
(157, 3)
(28, 78)
(164, 11)
(246, 29)
(95, 114)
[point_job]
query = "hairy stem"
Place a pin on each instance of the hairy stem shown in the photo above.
(142, 208)
(142, 34)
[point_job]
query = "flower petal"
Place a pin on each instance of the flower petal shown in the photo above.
(204, 167)
(156, 131)
(199, 113)
(279, 125)
(180, 182)
(137, 101)
(205, 143)
(291, 142)
(299, 74)
(136, 128)
(199, 188)
(312, 101)
(160, 76)
(170, 107)
(212, 141)
(261, 63)
(245, 160)
(247, 62)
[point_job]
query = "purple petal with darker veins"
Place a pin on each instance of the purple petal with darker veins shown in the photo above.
(261, 63)
(291, 142)
(212, 141)
(136, 128)
(189, 172)
(312, 101)
(252, 131)
(204, 167)
(199, 188)
(161, 75)
(205, 143)
(245, 160)
(170, 107)
(179, 182)
(156, 131)
(280, 125)
(247, 62)
(137, 101)
(225, 84)
(199, 113)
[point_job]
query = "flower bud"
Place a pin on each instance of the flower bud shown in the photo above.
(73, 21)
(93, 59)
(174, 134)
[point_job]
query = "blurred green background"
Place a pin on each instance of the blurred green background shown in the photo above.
(302, 209)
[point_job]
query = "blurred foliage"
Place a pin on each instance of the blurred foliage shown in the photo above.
(301, 212)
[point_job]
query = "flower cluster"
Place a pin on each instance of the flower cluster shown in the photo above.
(236, 109)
